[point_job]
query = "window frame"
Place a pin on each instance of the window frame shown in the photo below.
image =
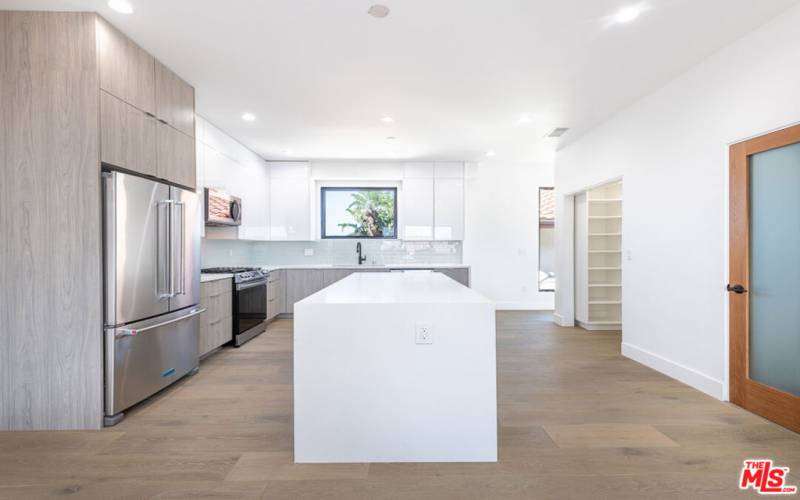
(539, 238)
(325, 189)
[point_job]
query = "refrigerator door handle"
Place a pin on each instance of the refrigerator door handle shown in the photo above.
(178, 230)
(163, 250)
(128, 332)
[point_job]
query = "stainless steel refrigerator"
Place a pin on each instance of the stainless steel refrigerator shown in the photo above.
(152, 288)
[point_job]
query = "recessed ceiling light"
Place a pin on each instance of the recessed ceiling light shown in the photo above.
(121, 6)
(627, 14)
(391, 138)
(387, 119)
(491, 153)
(378, 10)
(248, 117)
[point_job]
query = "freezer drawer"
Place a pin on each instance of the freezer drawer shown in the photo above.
(145, 357)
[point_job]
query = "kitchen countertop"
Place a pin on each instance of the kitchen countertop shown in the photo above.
(277, 267)
(420, 287)
(205, 277)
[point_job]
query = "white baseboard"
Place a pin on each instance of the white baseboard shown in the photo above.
(523, 306)
(593, 327)
(559, 320)
(688, 376)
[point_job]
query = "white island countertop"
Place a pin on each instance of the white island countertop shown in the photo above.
(410, 287)
(395, 367)
(364, 267)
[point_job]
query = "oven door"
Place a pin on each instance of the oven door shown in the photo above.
(249, 310)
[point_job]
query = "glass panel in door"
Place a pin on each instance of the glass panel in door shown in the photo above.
(774, 333)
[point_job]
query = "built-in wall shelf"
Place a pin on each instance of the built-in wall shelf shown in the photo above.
(598, 264)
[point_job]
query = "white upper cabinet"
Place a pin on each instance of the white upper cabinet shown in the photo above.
(416, 202)
(226, 165)
(419, 170)
(290, 201)
(448, 195)
(252, 186)
(416, 209)
(449, 170)
(432, 202)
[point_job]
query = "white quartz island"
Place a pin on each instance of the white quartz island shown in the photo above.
(371, 386)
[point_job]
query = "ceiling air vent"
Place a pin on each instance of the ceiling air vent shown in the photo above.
(558, 132)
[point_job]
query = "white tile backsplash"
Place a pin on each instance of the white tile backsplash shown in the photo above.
(254, 253)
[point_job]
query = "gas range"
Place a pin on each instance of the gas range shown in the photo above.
(249, 308)
(240, 274)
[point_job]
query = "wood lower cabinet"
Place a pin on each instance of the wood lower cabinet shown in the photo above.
(126, 70)
(216, 323)
(127, 136)
(460, 274)
(331, 276)
(276, 294)
(174, 100)
(175, 156)
(300, 283)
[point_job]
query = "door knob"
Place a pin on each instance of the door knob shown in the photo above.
(736, 289)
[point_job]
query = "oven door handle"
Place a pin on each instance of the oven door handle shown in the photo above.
(252, 284)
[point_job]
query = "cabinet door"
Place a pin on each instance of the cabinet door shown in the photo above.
(126, 70)
(250, 182)
(460, 274)
(174, 100)
(418, 170)
(331, 276)
(175, 156)
(289, 203)
(127, 136)
(448, 209)
(449, 170)
(416, 218)
(300, 283)
(276, 294)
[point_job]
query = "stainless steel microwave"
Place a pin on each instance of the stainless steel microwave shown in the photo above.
(222, 209)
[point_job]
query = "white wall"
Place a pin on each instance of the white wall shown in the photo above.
(671, 149)
(502, 232)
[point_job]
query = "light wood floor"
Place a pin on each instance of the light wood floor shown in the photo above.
(577, 420)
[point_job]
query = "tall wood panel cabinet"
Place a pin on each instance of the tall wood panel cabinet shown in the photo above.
(51, 317)
(76, 92)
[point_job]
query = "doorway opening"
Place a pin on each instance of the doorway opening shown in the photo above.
(598, 257)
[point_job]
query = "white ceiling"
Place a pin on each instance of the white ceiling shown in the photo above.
(455, 75)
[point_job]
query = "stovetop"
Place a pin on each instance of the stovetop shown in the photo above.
(240, 274)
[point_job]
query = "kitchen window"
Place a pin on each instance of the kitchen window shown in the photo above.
(358, 212)
(547, 240)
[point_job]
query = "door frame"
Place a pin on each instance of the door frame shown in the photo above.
(564, 314)
(773, 404)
